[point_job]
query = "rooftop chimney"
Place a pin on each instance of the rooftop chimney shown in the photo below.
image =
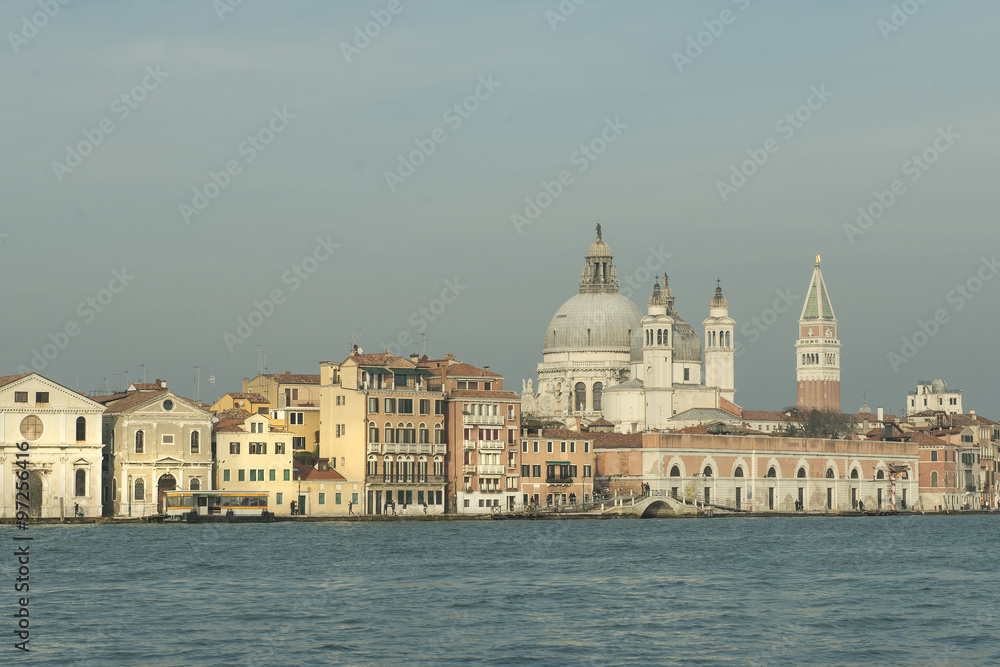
(414, 357)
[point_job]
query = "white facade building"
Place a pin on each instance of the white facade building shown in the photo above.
(933, 396)
(62, 432)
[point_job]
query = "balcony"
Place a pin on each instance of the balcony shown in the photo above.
(492, 420)
(491, 469)
(489, 489)
(491, 444)
(558, 480)
(468, 469)
(408, 448)
(406, 479)
(439, 448)
(374, 448)
(468, 444)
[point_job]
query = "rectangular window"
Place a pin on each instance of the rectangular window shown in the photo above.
(322, 498)
(439, 408)
(272, 475)
(534, 446)
(572, 471)
(586, 471)
(338, 431)
(425, 406)
(420, 497)
(586, 447)
(253, 475)
(687, 374)
(41, 397)
(260, 474)
(525, 470)
(225, 475)
(20, 397)
(524, 446)
(404, 406)
(390, 406)
(536, 471)
(399, 381)
(562, 446)
(279, 498)
(934, 455)
(298, 442)
(167, 439)
(373, 406)
(279, 448)
(241, 475)
(354, 498)
(287, 475)
(549, 447)
(296, 418)
(572, 448)
(234, 448)
(337, 498)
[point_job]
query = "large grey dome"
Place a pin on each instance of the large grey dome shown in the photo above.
(687, 343)
(593, 320)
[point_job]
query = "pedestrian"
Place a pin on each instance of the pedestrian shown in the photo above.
(425, 507)
(404, 509)
(350, 507)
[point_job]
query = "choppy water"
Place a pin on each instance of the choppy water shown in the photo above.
(899, 590)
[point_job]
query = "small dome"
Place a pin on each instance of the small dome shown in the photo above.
(687, 343)
(656, 299)
(718, 301)
(939, 386)
(599, 249)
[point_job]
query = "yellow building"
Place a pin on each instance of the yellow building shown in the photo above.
(294, 399)
(251, 402)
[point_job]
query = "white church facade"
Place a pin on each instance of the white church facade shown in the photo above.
(603, 359)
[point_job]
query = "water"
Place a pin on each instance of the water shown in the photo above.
(894, 590)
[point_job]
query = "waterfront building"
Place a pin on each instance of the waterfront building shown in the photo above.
(603, 359)
(154, 442)
(940, 473)
(253, 403)
(484, 474)
(383, 412)
(761, 473)
(557, 466)
(62, 430)
(294, 399)
(933, 396)
(817, 350)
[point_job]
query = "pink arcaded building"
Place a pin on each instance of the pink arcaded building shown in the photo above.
(760, 472)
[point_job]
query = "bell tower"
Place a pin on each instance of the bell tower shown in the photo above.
(720, 345)
(817, 350)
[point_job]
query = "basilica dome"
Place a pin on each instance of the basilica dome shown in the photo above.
(687, 343)
(593, 320)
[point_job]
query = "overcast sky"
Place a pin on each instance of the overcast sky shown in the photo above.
(117, 115)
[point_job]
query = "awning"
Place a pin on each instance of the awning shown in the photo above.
(557, 463)
(411, 371)
(375, 370)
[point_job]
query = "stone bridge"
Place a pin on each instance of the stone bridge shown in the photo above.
(651, 506)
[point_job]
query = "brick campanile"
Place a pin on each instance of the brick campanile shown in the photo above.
(817, 350)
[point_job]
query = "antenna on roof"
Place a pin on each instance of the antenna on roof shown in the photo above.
(143, 367)
(423, 348)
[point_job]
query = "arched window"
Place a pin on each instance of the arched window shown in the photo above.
(194, 442)
(80, 485)
(387, 469)
(772, 472)
(422, 469)
(372, 466)
(598, 395)
(880, 474)
(675, 472)
(854, 474)
(139, 442)
(438, 434)
(438, 466)
(666, 336)
(739, 472)
(140, 490)
(727, 340)
(580, 402)
(707, 472)
(401, 433)
(934, 479)
(411, 433)
(81, 429)
(829, 473)
(195, 484)
(659, 336)
(425, 434)
(801, 474)
(390, 435)
(372, 433)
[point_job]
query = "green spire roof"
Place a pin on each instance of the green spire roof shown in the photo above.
(817, 305)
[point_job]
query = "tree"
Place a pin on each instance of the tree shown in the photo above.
(306, 458)
(812, 423)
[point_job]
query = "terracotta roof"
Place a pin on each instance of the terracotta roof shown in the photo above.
(969, 420)
(293, 378)
(308, 473)
(618, 440)
(927, 440)
(136, 398)
(252, 396)
(233, 413)
(765, 415)
(7, 379)
(145, 386)
(228, 426)
(107, 398)
(701, 430)
(460, 369)
(473, 393)
(601, 422)
(376, 359)
(565, 433)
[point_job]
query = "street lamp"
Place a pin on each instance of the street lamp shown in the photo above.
(129, 492)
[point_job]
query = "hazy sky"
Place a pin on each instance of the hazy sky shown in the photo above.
(121, 120)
